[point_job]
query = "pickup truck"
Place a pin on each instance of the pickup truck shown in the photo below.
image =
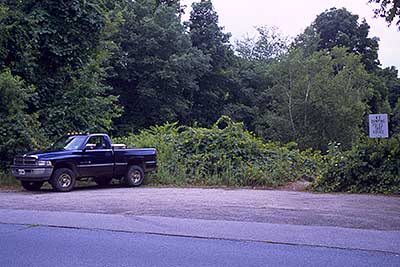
(81, 156)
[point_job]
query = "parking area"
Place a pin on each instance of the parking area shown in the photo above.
(268, 206)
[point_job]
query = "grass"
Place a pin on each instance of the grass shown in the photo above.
(7, 180)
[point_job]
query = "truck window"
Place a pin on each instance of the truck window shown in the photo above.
(68, 142)
(99, 141)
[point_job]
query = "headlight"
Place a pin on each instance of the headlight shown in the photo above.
(44, 163)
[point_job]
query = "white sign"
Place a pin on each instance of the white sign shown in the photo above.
(378, 126)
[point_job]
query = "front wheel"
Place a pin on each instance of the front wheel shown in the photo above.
(31, 186)
(134, 176)
(63, 180)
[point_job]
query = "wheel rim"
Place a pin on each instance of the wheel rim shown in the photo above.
(136, 176)
(65, 180)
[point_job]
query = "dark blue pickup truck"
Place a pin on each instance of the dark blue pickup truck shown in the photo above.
(75, 157)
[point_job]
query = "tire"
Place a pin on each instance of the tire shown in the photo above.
(31, 186)
(103, 181)
(63, 180)
(134, 176)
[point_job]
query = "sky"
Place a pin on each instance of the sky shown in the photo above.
(240, 17)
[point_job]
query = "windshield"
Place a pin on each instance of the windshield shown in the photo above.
(69, 142)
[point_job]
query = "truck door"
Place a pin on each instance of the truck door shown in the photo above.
(99, 161)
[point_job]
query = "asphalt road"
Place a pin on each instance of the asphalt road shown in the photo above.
(43, 246)
(197, 227)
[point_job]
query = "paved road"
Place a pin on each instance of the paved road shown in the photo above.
(267, 206)
(197, 227)
(43, 246)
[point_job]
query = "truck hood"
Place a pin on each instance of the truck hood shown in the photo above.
(50, 154)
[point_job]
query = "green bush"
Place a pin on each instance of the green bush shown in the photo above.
(225, 154)
(371, 166)
(19, 131)
(6, 179)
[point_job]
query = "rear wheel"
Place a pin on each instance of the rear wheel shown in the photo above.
(63, 180)
(134, 176)
(31, 186)
(103, 181)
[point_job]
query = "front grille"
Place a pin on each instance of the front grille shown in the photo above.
(27, 160)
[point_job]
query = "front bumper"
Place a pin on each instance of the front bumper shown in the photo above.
(32, 173)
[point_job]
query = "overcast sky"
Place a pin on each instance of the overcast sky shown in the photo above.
(239, 17)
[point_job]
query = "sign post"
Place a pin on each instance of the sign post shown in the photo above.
(378, 126)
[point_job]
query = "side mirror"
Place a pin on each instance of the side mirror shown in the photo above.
(89, 147)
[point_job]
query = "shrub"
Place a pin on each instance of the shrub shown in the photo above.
(371, 166)
(6, 179)
(225, 154)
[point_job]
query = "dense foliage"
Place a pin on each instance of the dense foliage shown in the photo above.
(225, 154)
(371, 166)
(19, 131)
(122, 66)
(316, 99)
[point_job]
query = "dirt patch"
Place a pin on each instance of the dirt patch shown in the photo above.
(299, 186)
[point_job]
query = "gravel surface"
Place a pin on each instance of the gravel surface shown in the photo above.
(343, 210)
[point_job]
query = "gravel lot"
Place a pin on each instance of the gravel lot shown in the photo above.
(352, 211)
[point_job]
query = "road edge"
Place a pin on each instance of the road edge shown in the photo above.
(319, 236)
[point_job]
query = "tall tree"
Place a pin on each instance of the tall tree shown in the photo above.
(208, 36)
(246, 92)
(339, 27)
(316, 99)
(51, 45)
(268, 46)
(156, 68)
(250, 74)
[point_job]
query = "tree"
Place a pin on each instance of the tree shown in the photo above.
(316, 99)
(250, 74)
(47, 44)
(246, 93)
(156, 67)
(339, 27)
(19, 131)
(395, 120)
(268, 46)
(208, 36)
(392, 82)
(172, 3)
(85, 105)
(389, 9)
